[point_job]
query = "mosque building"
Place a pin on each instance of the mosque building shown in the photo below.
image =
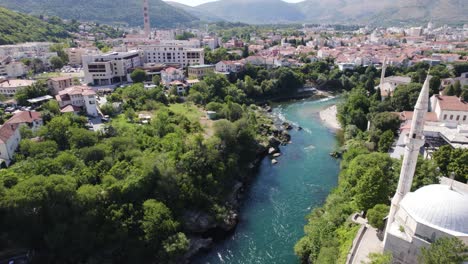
(418, 218)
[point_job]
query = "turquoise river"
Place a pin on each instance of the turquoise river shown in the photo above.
(273, 213)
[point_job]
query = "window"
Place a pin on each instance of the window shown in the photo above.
(464, 118)
(451, 117)
(458, 117)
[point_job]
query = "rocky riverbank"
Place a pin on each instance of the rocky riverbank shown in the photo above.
(204, 228)
(329, 118)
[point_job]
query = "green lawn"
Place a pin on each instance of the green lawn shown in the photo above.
(189, 110)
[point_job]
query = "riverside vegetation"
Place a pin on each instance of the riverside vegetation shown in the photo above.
(368, 175)
(147, 193)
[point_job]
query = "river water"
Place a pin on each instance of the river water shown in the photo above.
(273, 213)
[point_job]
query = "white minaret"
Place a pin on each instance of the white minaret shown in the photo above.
(384, 69)
(146, 18)
(414, 142)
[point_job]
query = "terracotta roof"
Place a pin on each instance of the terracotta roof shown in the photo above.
(70, 109)
(6, 131)
(451, 103)
(24, 117)
(408, 115)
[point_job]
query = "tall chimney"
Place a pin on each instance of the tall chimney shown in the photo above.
(146, 18)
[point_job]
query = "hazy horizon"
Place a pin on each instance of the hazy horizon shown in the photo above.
(199, 2)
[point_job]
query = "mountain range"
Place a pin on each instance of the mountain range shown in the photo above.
(378, 12)
(164, 14)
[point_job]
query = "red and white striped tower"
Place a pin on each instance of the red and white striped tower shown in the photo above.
(146, 18)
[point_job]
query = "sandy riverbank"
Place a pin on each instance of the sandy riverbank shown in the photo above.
(328, 117)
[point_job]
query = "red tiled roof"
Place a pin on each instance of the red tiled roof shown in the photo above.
(408, 115)
(24, 117)
(451, 103)
(70, 109)
(6, 131)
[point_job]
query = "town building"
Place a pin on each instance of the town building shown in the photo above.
(419, 218)
(79, 96)
(75, 55)
(389, 84)
(58, 84)
(172, 74)
(463, 79)
(229, 66)
(10, 87)
(10, 136)
(180, 54)
(110, 68)
(11, 68)
(450, 110)
(200, 71)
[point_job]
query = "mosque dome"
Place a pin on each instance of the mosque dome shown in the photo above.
(439, 207)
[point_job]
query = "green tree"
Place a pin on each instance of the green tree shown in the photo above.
(56, 62)
(464, 95)
(434, 85)
(156, 80)
(36, 89)
(449, 90)
(371, 189)
(386, 121)
(138, 76)
(157, 223)
(405, 96)
(377, 214)
(457, 88)
(380, 258)
(386, 141)
(444, 250)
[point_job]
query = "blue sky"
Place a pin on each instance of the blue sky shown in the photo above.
(198, 2)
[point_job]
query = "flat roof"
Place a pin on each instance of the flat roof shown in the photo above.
(40, 99)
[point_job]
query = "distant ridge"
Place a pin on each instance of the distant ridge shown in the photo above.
(104, 11)
(376, 12)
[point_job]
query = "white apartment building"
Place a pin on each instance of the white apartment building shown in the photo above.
(75, 55)
(19, 50)
(78, 96)
(11, 68)
(10, 87)
(110, 68)
(229, 66)
(181, 54)
(172, 74)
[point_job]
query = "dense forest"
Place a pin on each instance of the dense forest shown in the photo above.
(368, 175)
(131, 192)
(16, 28)
(104, 11)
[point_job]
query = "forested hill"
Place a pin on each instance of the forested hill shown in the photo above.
(16, 27)
(104, 11)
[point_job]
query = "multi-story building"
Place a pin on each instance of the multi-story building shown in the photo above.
(58, 84)
(11, 68)
(229, 66)
(10, 136)
(75, 55)
(200, 71)
(172, 74)
(10, 87)
(110, 68)
(180, 54)
(78, 96)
